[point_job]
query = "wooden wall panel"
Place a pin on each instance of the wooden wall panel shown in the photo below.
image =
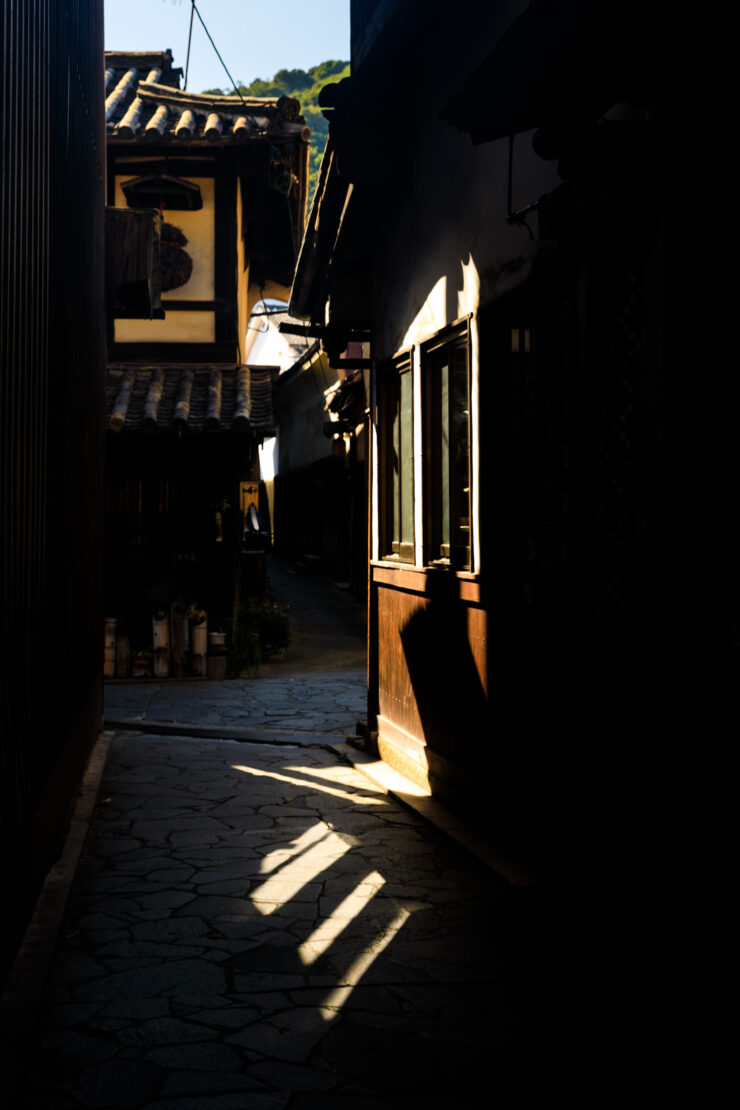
(432, 668)
(396, 699)
(51, 387)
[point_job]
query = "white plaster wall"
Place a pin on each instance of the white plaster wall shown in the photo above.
(445, 246)
(449, 248)
(200, 230)
(266, 345)
(199, 227)
(302, 417)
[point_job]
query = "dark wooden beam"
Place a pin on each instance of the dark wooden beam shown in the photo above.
(320, 331)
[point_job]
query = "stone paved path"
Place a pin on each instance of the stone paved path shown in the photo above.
(313, 692)
(328, 625)
(256, 926)
(298, 708)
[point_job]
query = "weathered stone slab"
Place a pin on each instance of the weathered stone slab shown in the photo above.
(170, 979)
(196, 1057)
(117, 1084)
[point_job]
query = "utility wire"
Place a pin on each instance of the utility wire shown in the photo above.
(218, 55)
(190, 39)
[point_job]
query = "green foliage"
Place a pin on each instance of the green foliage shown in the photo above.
(305, 85)
(260, 627)
(159, 599)
(268, 620)
(245, 647)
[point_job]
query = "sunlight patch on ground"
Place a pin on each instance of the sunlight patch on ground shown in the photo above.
(289, 871)
(295, 874)
(299, 845)
(390, 779)
(337, 998)
(339, 775)
(327, 932)
(359, 799)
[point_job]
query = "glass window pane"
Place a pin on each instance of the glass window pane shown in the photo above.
(460, 458)
(395, 462)
(396, 474)
(406, 456)
(444, 458)
(446, 436)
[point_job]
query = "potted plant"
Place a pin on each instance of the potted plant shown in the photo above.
(141, 666)
(245, 646)
(269, 621)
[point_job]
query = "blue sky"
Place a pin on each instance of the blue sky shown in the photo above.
(255, 37)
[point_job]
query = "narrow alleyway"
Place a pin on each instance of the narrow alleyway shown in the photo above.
(328, 624)
(260, 926)
(257, 924)
(314, 691)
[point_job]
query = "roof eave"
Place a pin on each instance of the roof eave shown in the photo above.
(309, 291)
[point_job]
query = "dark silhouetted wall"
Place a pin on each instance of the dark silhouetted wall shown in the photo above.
(51, 379)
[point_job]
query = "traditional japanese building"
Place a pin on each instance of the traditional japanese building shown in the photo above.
(321, 477)
(184, 414)
(550, 296)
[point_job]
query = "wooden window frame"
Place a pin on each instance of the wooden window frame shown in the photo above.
(443, 475)
(396, 445)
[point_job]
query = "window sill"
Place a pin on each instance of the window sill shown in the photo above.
(440, 566)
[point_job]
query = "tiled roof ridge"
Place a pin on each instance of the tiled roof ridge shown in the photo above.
(193, 397)
(123, 58)
(156, 365)
(167, 94)
(143, 101)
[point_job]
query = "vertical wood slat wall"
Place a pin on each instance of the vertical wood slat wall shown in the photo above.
(51, 390)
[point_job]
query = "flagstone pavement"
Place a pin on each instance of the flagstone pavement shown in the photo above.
(297, 709)
(256, 924)
(260, 926)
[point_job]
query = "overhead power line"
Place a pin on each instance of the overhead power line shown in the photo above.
(218, 54)
(190, 39)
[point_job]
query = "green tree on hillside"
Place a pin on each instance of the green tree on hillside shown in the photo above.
(305, 85)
